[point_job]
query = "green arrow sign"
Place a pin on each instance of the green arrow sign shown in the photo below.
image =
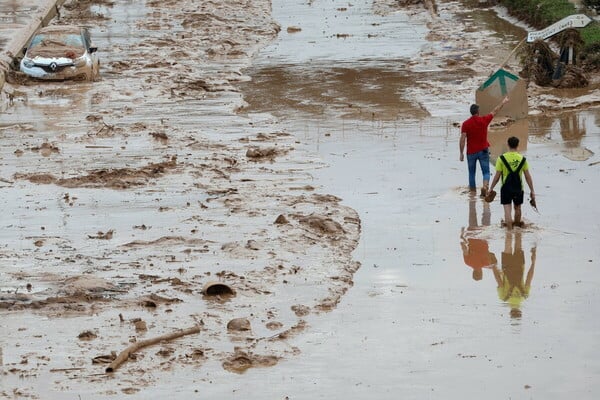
(501, 76)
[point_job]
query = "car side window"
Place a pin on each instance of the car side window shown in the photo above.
(36, 40)
(88, 40)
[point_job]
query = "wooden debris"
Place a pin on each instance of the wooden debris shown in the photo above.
(124, 355)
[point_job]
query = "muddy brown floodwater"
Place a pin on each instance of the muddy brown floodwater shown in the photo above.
(275, 149)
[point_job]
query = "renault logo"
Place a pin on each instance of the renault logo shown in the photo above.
(53, 66)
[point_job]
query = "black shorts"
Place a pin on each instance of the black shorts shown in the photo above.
(507, 197)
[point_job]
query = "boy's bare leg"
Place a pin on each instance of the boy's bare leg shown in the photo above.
(517, 221)
(508, 216)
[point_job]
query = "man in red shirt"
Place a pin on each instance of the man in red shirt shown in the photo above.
(473, 133)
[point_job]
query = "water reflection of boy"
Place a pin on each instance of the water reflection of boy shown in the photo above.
(511, 287)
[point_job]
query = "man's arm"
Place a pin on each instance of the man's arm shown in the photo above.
(529, 182)
(461, 145)
(499, 106)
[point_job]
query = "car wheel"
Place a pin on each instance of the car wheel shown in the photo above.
(96, 73)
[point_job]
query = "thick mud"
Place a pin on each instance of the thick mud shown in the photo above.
(123, 198)
(220, 175)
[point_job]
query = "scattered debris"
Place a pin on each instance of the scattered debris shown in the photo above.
(140, 325)
(124, 355)
(258, 152)
(102, 235)
(87, 335)
(217, 289)
(281, 220)
(240, 361)
(239, 324)
(323, 225)
(105, 359)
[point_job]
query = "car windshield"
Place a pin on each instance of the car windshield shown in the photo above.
(56, 45)
(69, 40)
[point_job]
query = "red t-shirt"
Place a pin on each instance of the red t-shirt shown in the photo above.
(476, 130)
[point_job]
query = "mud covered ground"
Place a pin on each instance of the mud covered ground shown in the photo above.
(124, 198)
(198, 159)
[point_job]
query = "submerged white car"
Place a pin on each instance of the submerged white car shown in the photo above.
(61, 52)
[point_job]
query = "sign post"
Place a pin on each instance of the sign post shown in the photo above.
(572, 21)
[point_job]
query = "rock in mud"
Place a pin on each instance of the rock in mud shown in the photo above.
(82, 285)
(300, 310)
(281, 220)
(87, 335)
(140, 325)
(264, 152)
(323, 225)
(240, 361)
(239, 325)
(252, 245)
(274, 325)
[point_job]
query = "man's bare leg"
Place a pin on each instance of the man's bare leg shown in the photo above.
(484, 188)
(508, 216)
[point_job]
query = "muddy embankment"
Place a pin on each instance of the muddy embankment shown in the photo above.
(126, 197)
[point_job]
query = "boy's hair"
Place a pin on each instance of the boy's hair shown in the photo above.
(513, 142)
(474, 109)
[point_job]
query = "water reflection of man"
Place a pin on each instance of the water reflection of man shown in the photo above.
(476, 253)
(512, 288)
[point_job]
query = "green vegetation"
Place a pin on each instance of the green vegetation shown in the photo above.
(592, 3)
(541, 13)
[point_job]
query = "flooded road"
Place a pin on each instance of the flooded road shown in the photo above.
(123, 198)
(429, 317)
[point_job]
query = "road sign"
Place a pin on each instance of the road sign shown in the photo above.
(572, 21)
(499, 85)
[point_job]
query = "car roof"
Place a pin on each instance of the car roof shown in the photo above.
(61, 29)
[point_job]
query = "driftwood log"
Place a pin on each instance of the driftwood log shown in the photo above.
(124, 355)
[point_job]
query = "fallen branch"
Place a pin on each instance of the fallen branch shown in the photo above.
(124, 355)
(66, 369)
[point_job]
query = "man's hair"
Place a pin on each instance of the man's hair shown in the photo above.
(513, 142)
(474, 109)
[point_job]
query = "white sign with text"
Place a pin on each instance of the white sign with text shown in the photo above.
(572, 21)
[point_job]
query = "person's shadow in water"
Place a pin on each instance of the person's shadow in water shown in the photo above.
(476, 253)
(513, 285)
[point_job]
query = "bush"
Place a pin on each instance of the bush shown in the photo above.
(595, 4)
